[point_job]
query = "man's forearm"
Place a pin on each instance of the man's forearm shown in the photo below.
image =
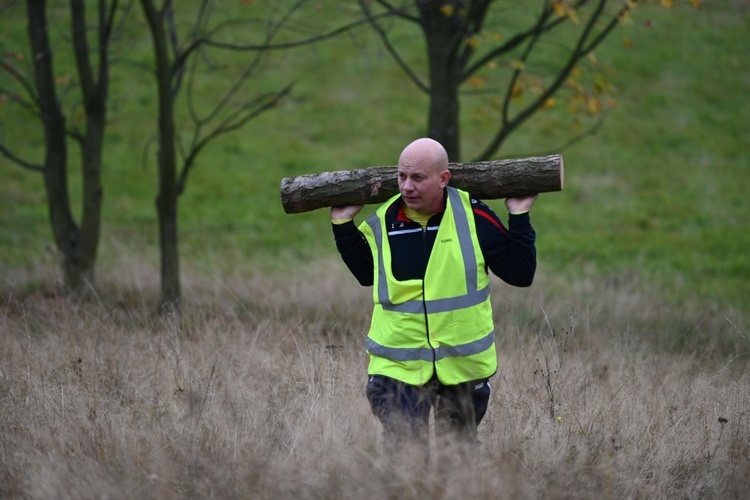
(355, 252)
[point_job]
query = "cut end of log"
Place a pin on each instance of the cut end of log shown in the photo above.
(562, 172)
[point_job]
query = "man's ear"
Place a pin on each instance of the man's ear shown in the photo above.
(445, 176)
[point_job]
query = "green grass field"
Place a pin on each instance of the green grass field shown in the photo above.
(658, 191)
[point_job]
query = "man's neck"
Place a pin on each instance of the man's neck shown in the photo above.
(417, 217)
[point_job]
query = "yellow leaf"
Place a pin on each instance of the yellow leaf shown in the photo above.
(517, 91)
(517, 65)
(628, 43)
(573, 16)
(594, 105)
(447, 10)
(625, 17)
(492, 65)
(574, 84)
(575, 72)
(667, 4)
(578, 99)
(560, 8)
(62, 79)
(601, 84)
(473, 42)
(537, 86)
(549, 103)
(696, 3)
(593, 59)
(477, 81)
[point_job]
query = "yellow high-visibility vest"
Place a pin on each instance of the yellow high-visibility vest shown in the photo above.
(442, 323)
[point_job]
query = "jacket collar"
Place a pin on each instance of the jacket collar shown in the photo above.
(397, 209)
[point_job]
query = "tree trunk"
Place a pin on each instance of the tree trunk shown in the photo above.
(166, 201)
(94, 90)
(443, 118)
(170, 260)
(485, 180)
(64, 229)
(92, 193)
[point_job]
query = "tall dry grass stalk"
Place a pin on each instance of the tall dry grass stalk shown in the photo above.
(257, 391)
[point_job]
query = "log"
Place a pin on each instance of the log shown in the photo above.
(486, 180)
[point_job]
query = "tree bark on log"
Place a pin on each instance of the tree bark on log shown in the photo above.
(487, 180)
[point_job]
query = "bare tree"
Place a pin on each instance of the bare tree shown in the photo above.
(37, 92)
(178, 62)
(457, 53)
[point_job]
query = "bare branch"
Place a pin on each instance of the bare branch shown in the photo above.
(390, 48)
(524, 58)
(177, 70)
(593, 130)
(398, 11)
(514, 42)
(233, 122)
(235, 88)
(25, 83)
(107, 22)
(17, 99)
(106, 27)
(209, 42)
(477, 13)
(201, 21)
(81, 48)
(18, 160)
(578, 52)
(230, 124)
(610, 26)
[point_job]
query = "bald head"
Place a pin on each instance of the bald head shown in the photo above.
(422, 175)
(425, 152)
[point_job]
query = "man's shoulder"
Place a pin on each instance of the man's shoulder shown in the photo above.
(478, 204)
(485, 217)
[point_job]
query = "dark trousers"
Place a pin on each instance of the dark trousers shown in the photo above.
(404, 410)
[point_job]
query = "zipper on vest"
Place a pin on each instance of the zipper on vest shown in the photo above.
(424, 298)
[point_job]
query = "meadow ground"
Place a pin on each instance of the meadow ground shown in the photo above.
(258, 392)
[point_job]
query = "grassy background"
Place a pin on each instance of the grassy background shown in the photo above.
(658, 191)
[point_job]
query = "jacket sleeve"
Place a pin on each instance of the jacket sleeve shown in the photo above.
(509, 253)
(355, 251)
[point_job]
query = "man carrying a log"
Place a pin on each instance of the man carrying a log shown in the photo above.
(427, 252)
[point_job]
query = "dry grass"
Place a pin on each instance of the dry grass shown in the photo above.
(257, 392)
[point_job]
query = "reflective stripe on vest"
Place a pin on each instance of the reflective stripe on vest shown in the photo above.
(426, 353)
(471, 298)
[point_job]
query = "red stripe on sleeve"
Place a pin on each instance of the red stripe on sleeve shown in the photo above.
(494, 221)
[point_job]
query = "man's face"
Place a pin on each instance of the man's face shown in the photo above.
(421, 185)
